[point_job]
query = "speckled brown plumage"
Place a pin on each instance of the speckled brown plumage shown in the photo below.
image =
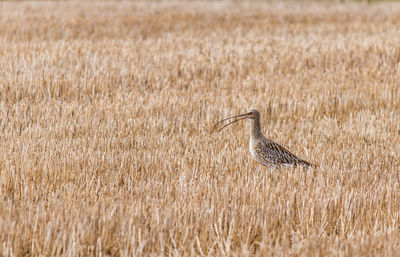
(264, 150)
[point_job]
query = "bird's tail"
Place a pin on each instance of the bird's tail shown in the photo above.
(307, 164)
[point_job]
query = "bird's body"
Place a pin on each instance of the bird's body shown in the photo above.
(272, 154)
(264, 150)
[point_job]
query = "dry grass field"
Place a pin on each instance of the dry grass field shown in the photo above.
(107, 145)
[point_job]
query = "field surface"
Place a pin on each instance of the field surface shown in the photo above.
(107, 145)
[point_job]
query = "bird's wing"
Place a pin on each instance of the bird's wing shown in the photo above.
(275, 154)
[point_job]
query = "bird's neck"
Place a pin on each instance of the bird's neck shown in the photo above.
(255, 129)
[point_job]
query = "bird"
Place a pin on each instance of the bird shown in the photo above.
(263, 150)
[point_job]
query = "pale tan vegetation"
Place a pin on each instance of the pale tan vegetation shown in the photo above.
(106, 110)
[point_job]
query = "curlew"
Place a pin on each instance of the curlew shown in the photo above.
(264, 150)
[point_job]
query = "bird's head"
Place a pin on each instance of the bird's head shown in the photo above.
(251, 115)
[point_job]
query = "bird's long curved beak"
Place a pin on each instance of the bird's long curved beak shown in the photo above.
(241, 116)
